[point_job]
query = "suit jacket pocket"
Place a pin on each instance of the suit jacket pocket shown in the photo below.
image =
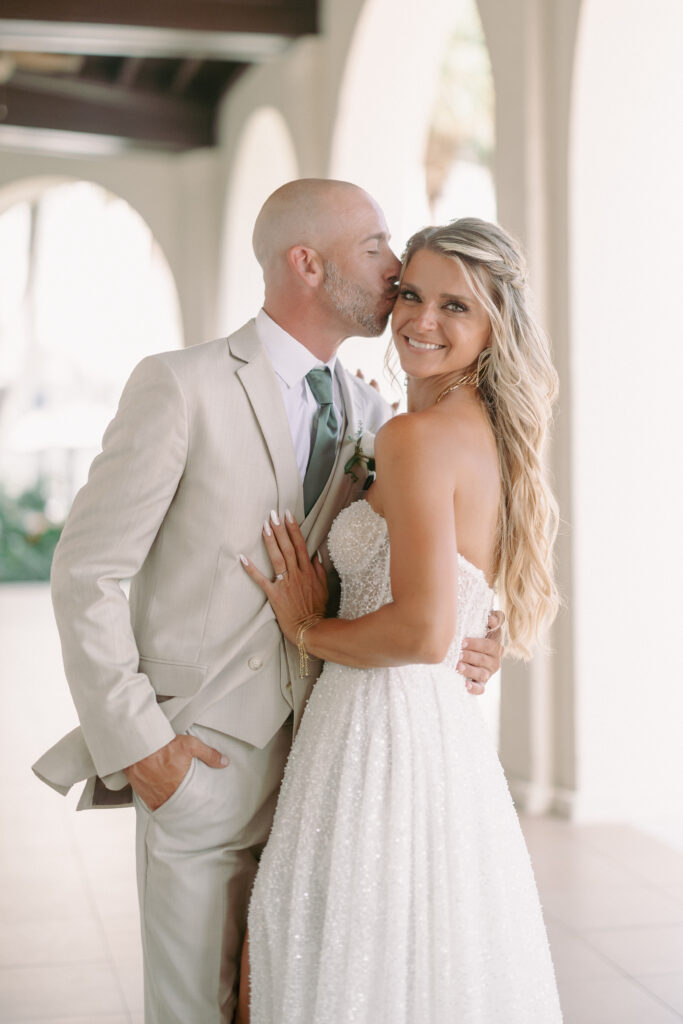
(173, 678)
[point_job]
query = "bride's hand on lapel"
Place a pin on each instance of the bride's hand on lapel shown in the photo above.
(299, 589)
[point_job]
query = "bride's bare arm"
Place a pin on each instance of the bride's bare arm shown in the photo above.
(417, 502)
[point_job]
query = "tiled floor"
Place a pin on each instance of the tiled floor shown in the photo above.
(69, 946)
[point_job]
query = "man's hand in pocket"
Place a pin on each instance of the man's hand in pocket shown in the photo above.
(155, 778)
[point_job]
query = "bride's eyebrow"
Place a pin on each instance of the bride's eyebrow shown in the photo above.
(447, 296)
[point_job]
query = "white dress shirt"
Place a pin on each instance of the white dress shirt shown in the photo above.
(291, 361)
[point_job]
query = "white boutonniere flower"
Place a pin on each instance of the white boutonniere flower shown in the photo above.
(363, 458)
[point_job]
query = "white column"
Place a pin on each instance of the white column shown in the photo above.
(531, 43)
(627, 363)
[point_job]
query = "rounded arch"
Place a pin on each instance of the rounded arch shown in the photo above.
(94, 294)
(381, 134)
(265, 158)
(31, 188)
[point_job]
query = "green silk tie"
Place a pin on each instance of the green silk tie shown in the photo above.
(324, 447)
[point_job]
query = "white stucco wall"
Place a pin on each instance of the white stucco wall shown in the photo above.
(627, 365)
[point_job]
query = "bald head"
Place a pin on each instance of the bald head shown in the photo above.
(309, 211)
(328, 269)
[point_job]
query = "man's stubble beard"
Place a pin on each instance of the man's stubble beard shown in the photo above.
(355, 304)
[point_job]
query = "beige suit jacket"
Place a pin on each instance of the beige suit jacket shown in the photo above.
(198, 453)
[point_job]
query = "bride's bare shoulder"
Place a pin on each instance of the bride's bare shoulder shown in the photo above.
(427, 429)
(406, 432)
(438, 447)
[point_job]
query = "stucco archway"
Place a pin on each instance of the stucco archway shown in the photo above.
(380, 133)
(93, 296)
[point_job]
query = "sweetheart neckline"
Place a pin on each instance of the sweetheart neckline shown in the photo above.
(475, 568)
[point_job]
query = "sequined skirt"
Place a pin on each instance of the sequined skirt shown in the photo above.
(396, 886)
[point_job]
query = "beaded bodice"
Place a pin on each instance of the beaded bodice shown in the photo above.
(359, 547)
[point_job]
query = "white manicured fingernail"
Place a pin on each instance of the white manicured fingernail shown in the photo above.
(320, 558)
(288, 516)
(267, 529)
(224, 760)
(274, 518)
(244, 560)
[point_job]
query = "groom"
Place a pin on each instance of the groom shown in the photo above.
(188, 693)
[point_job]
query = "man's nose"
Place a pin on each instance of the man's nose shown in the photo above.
(393, 267)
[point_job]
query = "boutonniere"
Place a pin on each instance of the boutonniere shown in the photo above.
(363, 457)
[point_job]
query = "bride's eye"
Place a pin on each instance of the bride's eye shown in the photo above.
(408, 295)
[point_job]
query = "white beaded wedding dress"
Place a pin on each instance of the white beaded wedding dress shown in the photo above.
(396, 887)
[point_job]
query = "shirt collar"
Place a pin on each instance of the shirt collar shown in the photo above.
(290, 359)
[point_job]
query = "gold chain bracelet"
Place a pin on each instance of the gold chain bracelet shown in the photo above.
(311, 620)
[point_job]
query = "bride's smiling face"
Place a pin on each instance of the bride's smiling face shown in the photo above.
(439, 326)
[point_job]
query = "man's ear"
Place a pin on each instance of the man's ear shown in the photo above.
(306, 264)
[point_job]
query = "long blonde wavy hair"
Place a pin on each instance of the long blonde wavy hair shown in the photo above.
(518, 385)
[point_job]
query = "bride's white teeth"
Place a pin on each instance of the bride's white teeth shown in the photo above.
(422, 344)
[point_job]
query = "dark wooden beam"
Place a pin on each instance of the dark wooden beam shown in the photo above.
(35, 101)
(280, 17)
(138, 41)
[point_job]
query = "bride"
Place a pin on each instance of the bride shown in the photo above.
(396, 886)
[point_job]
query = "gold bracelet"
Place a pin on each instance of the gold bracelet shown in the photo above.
(311, 620)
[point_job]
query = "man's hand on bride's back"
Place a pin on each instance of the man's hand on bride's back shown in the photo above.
(299, 589)
(373, 384)
(481, 657)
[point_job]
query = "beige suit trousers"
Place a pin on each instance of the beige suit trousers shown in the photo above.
(197, 855)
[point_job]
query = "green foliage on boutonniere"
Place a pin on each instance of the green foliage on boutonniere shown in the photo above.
(359, 458)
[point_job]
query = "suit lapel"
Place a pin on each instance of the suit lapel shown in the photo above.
(261, 385)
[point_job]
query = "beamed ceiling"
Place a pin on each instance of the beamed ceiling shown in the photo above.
(146, 73)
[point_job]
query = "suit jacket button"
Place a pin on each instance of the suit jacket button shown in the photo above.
(255, 663)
